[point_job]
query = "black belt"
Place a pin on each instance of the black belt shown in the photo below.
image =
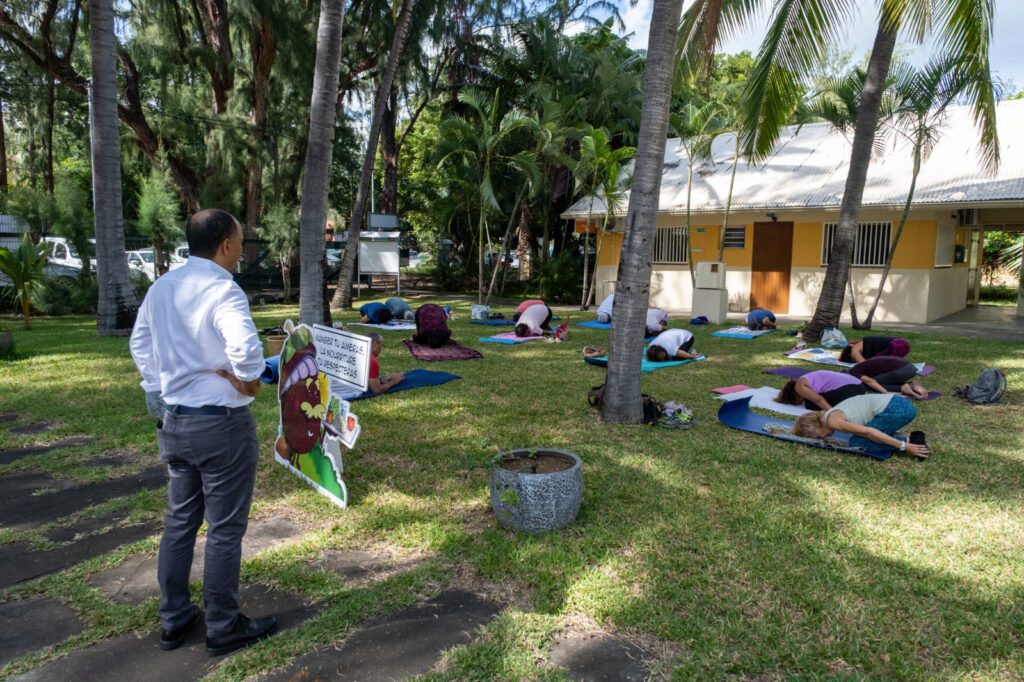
(206, 410)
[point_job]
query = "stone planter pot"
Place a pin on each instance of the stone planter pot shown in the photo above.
(536, 490)
(6, 344)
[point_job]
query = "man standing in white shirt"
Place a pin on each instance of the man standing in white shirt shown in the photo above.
(195, 344)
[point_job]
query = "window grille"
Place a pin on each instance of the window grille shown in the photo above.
(870, 247)
(670, 245)
(735, 237)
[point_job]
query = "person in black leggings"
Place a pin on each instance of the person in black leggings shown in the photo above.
(895, 374)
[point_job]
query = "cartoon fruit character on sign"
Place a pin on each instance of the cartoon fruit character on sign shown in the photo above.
(299, 392)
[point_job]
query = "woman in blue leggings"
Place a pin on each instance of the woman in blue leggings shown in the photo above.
(871, 420)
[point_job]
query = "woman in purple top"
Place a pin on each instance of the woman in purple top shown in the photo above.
(822, 389)
(895, 374)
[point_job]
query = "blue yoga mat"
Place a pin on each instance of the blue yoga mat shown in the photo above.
(493, 323)
(736, 414)
(595, 324)
(415, 378)
(646, 366)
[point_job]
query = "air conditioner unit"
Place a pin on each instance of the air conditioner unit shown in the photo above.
(614, 225)
(968, 217)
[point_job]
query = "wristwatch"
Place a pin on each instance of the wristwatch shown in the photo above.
(903, 446)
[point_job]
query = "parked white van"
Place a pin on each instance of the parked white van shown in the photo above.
(64, 259)
(142, 263)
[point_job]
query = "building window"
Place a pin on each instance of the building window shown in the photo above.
(670, 245)
(735, 237)
(870, 247)
(944, 240)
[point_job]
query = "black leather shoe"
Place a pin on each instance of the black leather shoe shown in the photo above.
(247, 631)
(172, 639)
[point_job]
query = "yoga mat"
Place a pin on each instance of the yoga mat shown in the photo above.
(923, 369)
(646, 367)
(741, 333)
(494, 323)
(726, 390)
(452, 350)
(736, 414)
(271, 371)
(764, 398)
(595, 324)
(788, 372)
(414, 378)
(509, 337)
(823, 356)
(390, 326)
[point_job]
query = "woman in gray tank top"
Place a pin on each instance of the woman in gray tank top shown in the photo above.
(871, 420)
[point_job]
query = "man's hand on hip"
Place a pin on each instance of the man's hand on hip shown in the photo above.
(249, 388)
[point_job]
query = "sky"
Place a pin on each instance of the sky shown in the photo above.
(1005, 55)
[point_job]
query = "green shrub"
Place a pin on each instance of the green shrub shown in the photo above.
(558, 280)
(998, 294)
(66, 296)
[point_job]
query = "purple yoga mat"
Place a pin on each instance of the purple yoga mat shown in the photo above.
(796, 372)
(788, 372)
(453, 350)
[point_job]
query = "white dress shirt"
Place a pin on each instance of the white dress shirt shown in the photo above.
(194, 321)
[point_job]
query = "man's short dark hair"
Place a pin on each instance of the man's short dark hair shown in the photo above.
(522, 330)
(207, 229)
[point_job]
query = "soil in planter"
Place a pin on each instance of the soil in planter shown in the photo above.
(541, 463)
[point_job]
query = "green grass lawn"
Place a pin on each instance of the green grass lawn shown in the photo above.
(727, 555)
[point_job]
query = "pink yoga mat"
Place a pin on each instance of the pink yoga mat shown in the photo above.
(452, 350)
(726, 390)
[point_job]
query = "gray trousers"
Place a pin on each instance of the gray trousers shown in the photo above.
(211, 464)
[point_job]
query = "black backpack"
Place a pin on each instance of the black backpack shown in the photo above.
(988, 389)
(651, 409)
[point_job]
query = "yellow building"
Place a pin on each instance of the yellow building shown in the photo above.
(783, 214)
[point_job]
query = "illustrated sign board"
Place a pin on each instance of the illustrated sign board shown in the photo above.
(315, 423)
(343, 355)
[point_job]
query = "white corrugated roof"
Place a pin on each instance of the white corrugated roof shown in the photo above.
(809, 165)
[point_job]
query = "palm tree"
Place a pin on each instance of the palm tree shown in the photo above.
(118, 303)
(598, 172)
(343, 293)
(921, 100)
(622, 398)
(24, 267)
(695, 136)
(476, 144)
(799, 34)
(313, 308)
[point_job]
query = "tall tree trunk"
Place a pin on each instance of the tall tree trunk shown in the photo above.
(118, 303)
(830, 302)
(387, 199)
(317, 173)
(503, 250)
(48, 139)
(728, 198)
(622, 400)
(895, 239)
(851, 300)
(689, 242)
(343, 294)
(586, 256)
(263, 47)
(3, 153)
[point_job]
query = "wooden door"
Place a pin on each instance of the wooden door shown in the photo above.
(770, 270)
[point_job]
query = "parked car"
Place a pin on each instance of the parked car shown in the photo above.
(63, 259)
(142, 263)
